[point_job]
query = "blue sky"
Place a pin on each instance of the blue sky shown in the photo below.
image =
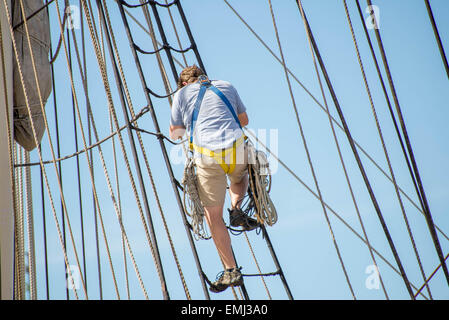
(301, 237)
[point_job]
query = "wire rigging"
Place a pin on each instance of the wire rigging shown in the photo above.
(335, 213)
(416, 174)
(151, 2)
(371, 159)
(387, 157)
(437, 36)
(75, 100)
(162, 146)
(37, 142)
(80, 200)
(106, 15)
(356, 155)
(309, 159)
(337, 144)
(101, 65)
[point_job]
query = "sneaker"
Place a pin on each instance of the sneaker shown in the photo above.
(227, 279)
(237, 218)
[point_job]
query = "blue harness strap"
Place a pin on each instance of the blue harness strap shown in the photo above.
(206, 84)
(227, 103)
(196, 109)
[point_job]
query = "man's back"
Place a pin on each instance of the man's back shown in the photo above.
(215, 127)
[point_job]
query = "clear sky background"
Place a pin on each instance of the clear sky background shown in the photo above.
(301, 237)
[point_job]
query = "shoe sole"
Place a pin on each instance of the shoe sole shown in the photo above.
(216, 289)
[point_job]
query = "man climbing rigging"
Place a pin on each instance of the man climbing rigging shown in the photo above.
(214, 115)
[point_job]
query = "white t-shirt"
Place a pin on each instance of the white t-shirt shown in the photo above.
(215, 127)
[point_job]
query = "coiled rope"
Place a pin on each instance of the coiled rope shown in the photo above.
(192, 204)
(258, 191)
(260, 185)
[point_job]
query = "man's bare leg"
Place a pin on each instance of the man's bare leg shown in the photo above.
(237, 191)
(220, 235)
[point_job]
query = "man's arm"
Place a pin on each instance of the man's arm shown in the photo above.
(176, 132)
(177, 127)
(243, 118)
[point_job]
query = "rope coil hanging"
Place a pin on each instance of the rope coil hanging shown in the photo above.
(260, 186)
(192, 203)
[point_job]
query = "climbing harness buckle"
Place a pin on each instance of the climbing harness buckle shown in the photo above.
(203, 80)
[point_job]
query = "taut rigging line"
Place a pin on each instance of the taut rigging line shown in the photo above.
(437, 37)
(364, 152)
(415, 176)
(382, 140)
(354, 150)
(309, 158)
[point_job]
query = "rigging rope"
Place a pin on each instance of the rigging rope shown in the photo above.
(354, 150)
(80, 200)
(58, 145)
(89, 129)
(176, 33)
(258, 267)
(76, 106)
(145, 10)
(337, 144)
(186, 290)
(309, 159)
(429, 278)
(19, 67)
(387, 157)
(19, 241)
(96, 144)
(152, 2)
(346, 224)
(384, 89)
(163, 47)
(30, 230)
(371, 159)
(416, 174)
(105, 171)
(102, 68)
(163, 149)
(45, 6)
(58, 47)
(437, 36)
(9, 131)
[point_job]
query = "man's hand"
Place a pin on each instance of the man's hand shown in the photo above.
(243, 118)
(176, 132)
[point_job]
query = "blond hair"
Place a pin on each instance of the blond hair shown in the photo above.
(189, 75)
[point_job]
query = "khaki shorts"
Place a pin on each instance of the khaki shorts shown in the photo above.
(212, 178)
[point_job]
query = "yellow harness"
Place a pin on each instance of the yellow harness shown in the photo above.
(220, 156)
